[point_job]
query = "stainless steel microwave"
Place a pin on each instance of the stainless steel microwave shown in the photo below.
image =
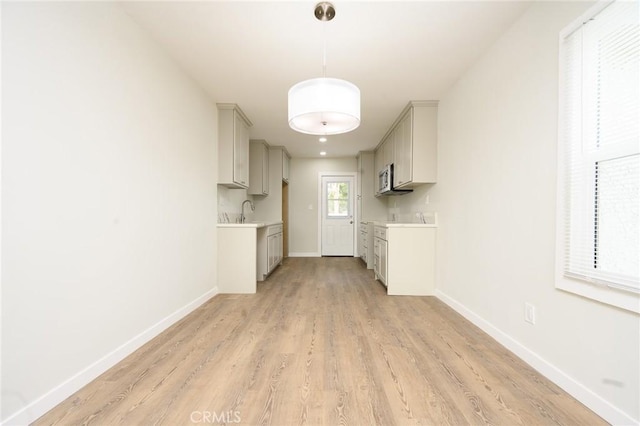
(385, 182)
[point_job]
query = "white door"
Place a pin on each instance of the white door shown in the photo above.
(337, 215)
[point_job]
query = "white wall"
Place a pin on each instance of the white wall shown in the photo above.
(108, 195)
(496, 195)
(303, 193)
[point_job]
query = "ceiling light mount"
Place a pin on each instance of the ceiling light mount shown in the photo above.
(324, 11)
(324, 106)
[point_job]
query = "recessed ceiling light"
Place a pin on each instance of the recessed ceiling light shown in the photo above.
(323, 153)
(322, 139)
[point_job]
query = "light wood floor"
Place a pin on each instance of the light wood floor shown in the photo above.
(322, 344)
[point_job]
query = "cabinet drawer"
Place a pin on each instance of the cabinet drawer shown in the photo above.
(274, 229)
(363, 228)
(380, 232)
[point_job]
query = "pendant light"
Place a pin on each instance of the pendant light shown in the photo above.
(324, 106)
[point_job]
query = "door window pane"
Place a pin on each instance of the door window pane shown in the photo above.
(337, 199)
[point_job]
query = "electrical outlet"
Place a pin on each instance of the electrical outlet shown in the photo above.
(529, 313)
(426, 200)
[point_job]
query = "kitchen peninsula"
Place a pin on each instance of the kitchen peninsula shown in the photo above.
(247, 253)
(404, 257)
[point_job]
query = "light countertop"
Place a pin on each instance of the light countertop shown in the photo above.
(405, 225)
(253, 224)
(417, 220)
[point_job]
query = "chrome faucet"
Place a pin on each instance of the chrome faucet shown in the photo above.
(242, 217)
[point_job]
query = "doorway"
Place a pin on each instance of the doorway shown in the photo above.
(336, 214)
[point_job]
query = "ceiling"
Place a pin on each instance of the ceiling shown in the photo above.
(251, 53)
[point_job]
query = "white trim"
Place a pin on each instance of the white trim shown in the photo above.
(353, 175)
(55, 396)
(609, 295)
(582, 19)
(593, 401)
(1, 222)
(305, 254)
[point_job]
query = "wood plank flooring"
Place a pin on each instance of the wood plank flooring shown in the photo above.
(321, 344)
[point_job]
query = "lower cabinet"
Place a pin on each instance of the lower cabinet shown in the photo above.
(365, 244)
(269, 250)
(380, 254)
(274, 251)
(236, 258)
(404, 259)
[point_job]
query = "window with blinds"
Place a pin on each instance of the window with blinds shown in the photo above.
(599, 153)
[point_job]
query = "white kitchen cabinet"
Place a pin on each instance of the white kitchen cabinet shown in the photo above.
(370, 207)
(247, 253)
(377, 166)
(388, 151)
(258, 168)
(376, 259)
(380, 253)
(404, 258)
(403, 162)
(274, 250)
(361, 244)
(366, 244)
(236, 258)
(363, 241)
(411, 145)
(285, 166)
(384, 262)
(233, 146)
(383, 156)
(269, 250)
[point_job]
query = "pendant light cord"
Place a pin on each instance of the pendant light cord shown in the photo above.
(324, 49)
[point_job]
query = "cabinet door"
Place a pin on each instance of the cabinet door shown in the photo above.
(271, 251)
(233, 146)
(240, 151)
(258, 168)
(389, 146)
(274, 249)
(403, 171)
(377, 166)
(376, 256)
(383, 261)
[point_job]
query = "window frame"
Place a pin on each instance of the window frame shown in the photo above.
(589, 288)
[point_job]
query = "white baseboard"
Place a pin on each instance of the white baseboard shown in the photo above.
(593, 401)
(55, 396)
(305, 254)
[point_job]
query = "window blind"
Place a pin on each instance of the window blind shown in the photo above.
(601, 97)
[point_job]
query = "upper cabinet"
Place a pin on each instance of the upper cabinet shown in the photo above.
(383, 154)
(369, 207)
(403, 151)
(411, 145)
(285, 165)
(233, 146)
(258, 168)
